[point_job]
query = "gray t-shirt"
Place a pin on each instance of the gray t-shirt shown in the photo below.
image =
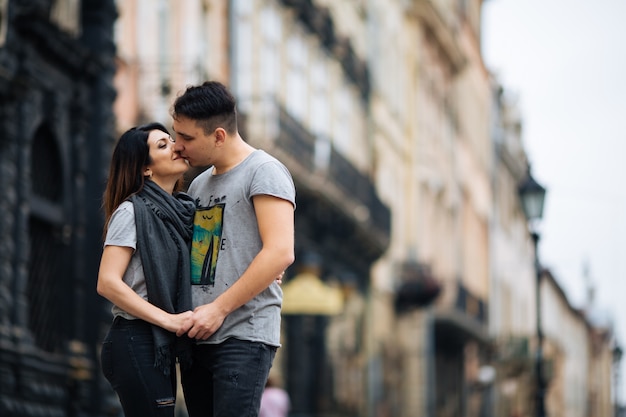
(123, 232)
(226, 239)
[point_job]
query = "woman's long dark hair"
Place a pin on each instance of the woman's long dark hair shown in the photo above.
(128, 162)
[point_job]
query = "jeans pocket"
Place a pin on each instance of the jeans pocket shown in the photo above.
(141, 350)
(106, 359)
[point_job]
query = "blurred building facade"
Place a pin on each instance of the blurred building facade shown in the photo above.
(406, 155)
(56, 73)
(512, 313)
(567, 360)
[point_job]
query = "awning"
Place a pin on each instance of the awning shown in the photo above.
(307, 294)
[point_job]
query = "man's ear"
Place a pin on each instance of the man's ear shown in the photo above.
(220, 136)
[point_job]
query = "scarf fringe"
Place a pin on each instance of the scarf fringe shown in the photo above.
(163, 359)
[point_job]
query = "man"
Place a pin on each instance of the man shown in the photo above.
(243, 239)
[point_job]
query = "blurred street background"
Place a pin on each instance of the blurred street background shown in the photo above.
(425, 138)
(563, 61)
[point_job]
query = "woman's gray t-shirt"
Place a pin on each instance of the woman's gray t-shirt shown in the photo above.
(123, 232)
(226, 239)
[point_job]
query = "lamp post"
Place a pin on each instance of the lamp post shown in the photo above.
(532, 195)
(617, 359)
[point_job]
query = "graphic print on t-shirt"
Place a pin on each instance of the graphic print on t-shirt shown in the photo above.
(207, 234)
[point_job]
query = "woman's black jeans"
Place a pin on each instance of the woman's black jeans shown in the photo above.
(127, 360)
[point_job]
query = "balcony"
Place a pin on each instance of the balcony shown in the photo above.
(337, 204)
(295, 140)
(470, 305)
(464, 317)
(514, 356)
(418, 288)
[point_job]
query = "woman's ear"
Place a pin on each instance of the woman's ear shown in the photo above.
(147, 172)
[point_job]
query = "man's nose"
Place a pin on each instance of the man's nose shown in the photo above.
(178, 146)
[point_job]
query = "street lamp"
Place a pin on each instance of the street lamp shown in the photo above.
(617, 359)
(532, 195)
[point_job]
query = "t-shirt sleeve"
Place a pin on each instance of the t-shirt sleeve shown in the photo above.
(273, 178)
(122, 230)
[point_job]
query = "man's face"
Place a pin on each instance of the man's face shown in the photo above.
(192, 143)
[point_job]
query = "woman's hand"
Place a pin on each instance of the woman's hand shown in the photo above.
(179, 323)
(279, 278)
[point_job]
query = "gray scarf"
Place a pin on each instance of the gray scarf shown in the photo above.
(164, 229)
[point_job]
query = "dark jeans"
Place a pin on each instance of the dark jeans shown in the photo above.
(127, 359)
(227, 380)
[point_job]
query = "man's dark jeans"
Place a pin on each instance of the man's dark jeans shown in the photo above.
(227, 379)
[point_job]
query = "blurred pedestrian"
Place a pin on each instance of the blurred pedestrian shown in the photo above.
(275, 400)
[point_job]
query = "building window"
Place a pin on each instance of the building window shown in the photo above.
(243, 54)
(4, 20)
(297, 61)
(203, 43)
(66, 15)
(320, 102)
(342, 132)
(48, 292)
(46, 166)
(270, 64)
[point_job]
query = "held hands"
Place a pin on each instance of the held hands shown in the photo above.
(179, 322)
(206, 319)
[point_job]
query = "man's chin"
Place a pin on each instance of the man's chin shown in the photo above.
(199, 166)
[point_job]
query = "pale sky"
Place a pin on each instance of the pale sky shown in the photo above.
(566, 60)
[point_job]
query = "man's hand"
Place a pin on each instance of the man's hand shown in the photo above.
(205, 320)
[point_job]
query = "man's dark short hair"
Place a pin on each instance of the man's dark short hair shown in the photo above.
(210, 104)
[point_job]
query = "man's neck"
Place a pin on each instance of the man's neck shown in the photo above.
(237, 151)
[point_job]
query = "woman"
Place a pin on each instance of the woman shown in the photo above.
(144, 271)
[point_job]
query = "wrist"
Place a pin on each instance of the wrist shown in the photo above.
(221, 303)
(163, 320)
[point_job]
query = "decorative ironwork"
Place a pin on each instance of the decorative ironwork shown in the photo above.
(360, 188)
(294, 139)
(355, 187)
